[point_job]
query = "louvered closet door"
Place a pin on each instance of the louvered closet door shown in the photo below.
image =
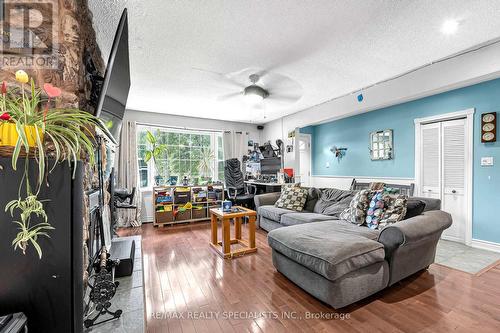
(431, 160)
(453, 174)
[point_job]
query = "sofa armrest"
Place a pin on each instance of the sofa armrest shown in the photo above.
(266, 199)
(410, 245)
(415, 229)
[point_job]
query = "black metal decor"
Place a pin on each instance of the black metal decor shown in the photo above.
(103, 290)
(102, 286)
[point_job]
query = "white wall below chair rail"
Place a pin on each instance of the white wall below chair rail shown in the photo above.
(147, 206)
(344, 182)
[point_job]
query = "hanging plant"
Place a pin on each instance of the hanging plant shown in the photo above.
(31, 129)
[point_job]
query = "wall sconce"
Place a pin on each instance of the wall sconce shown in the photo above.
(339, 152)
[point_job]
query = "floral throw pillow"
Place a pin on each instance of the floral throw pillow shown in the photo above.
(293, 198)
(375, 210)
(356, 212)
(396, 206)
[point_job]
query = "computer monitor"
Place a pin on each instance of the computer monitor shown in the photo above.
(270, 166)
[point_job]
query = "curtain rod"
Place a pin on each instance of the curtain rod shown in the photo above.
(179, 127)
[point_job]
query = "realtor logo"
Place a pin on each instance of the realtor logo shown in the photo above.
(28, 34)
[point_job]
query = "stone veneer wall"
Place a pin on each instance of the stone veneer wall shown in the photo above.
(74, 35)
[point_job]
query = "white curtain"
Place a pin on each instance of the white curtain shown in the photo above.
(235, 145)
(241, 146)
(128, 175)
(227, 140)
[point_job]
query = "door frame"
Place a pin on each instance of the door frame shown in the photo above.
(297, 154)
(468, 114)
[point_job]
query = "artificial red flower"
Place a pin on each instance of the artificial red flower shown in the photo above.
(5, 116)
(4, 88)
(51, 91)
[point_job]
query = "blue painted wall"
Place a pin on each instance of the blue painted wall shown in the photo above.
(353, 133)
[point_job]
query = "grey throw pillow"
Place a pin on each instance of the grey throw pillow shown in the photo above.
(335, 209)
(312, 197)
(293, 198)
(356, 212)
(329, 197)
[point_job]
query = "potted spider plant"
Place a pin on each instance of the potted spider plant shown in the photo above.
(157, 149)
(30, 129)
(205, 165)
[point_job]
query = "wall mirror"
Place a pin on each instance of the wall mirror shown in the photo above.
(381, 147)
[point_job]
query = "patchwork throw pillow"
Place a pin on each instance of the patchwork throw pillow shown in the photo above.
(292, 197)
(356, 212)
(396, 206)
(376, 186)
(375, 210)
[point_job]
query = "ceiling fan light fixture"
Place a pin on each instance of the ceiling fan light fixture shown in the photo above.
(253, 99)
(255, 94)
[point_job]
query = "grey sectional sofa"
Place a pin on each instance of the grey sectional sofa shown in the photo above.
(339, 262)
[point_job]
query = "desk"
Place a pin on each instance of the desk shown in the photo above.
(263, 187)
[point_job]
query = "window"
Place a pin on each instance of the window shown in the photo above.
(196, 154)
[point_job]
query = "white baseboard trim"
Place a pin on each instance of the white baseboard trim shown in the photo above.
(452, 239)
(485, 245)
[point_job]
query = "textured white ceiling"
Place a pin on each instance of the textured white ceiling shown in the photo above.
(329, 47)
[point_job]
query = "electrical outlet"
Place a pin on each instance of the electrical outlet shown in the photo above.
(487, 161)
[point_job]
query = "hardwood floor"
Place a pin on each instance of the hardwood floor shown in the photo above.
(185, 278)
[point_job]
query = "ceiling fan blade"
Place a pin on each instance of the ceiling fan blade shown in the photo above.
(281, 98)
(220, 77)
(229, 96)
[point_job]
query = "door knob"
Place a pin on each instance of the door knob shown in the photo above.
(453, 191)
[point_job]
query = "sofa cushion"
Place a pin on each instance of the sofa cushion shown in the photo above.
(414, 208)
(332, 201)
(292, 197)
(300, 218)
(335, 209)
(356, 212)
(273, 213)
(327, 248)
(312, 197)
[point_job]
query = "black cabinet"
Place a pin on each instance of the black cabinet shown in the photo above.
(49, 291)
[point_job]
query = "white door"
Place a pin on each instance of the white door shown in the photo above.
(431, 160)
(453, 175)
(304, 143)
(444, 156)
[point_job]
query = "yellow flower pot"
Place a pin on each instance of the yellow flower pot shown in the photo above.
(8, 134)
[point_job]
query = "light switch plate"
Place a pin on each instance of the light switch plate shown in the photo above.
(487, 161)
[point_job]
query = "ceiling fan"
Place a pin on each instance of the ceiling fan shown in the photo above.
(257, 87)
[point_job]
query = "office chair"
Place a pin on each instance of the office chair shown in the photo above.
(237, 191)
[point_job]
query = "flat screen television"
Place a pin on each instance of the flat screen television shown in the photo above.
(116, 85)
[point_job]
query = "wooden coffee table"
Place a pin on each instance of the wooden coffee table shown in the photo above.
(224, 248)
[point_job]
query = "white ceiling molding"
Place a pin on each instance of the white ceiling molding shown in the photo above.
(328, 47)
